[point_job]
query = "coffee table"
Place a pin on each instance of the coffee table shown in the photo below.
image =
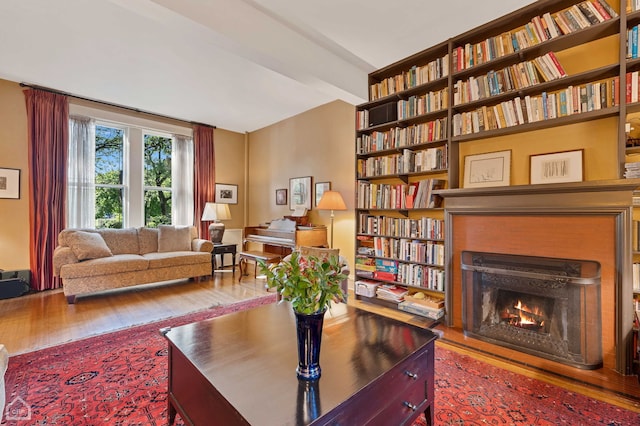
(239, 369)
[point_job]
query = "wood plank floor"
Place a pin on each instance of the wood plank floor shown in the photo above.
(44, 319)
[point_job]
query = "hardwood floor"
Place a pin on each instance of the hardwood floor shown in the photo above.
(45, 319)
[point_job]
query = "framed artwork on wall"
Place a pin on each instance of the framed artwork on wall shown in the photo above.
(226, 194)
(300, 193)
(320, 188)
(556, 167)
(10, 183)
(281, 197)
(485, 170)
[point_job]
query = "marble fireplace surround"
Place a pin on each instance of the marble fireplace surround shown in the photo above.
(585, 220)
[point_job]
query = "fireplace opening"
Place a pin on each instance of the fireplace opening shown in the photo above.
(542, 306)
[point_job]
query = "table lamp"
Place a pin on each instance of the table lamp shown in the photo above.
(214, 213)
(331, 200)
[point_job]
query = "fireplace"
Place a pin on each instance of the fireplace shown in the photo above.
(543, 306)
(582, 220)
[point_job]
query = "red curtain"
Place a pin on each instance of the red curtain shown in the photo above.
(205, 174)
(48, 130)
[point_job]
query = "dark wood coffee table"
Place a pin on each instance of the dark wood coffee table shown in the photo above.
(239, 369)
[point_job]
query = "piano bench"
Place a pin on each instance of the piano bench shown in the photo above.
(254, 256)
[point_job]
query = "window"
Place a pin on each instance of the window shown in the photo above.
(128, 171)
(109, 177)
(157, 180)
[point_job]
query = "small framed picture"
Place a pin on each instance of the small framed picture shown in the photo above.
(320, 188)
(300, 193)
(485, 170)
(10, 183)
(557, 167)
(281, 197)
(226, 194)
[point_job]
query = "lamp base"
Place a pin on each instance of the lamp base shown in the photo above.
(216, 231)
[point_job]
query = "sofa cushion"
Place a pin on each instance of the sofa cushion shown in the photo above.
(176, 258)
(148, 240)
(104, 266)
(88, 245)
(174, 238)
(121, 241)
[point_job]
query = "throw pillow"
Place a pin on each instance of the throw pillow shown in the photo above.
(319, 252)
(88, 245)
(174, 238)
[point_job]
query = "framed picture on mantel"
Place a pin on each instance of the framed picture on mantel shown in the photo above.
(558, 167)
(485, 170)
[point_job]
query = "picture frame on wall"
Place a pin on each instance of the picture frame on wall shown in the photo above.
(226, 193)
(486, 170)
(300, 193)
(320, 188)
(281, 197)
(10, 183)
(556, 167)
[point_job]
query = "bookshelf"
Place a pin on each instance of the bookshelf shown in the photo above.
(552, 76)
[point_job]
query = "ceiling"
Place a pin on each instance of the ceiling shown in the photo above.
(236, 64)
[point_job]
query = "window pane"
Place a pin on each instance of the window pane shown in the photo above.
(157, 208)
(109, 155)
(157, 161)
(109, 207)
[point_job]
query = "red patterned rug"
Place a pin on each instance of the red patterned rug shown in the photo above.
(121, 379)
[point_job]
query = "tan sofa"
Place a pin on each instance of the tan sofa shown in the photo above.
(94, 260)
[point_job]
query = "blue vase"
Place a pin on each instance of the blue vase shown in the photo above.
(309, 332)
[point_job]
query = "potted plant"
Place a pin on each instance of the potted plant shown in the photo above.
(310, 284)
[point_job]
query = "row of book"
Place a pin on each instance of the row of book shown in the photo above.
(632, 5)
(422, 276)
(409, 250)
(632, 87)
(424, 227)
(423, 104)
(632, 42)
(514, 77)
(636, 277)
(538, 30)
(408, 162)
(530, 109)
(399, 137)
(635, 236)
(415, 76)
(415, 195)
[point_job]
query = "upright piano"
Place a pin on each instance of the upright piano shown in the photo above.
(283, 235)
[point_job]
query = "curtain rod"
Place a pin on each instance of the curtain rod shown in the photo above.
(59, 92)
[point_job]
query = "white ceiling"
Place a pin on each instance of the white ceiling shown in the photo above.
(236, 64)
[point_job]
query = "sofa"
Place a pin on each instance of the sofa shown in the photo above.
(94, 260)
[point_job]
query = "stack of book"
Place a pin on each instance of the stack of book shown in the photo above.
(391, 292)
(632, 170)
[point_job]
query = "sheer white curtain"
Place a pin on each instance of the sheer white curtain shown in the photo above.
(81, 192)
(182, 181)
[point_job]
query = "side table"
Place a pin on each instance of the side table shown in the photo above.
(221, 249)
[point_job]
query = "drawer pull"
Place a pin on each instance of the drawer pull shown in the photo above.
(410, 406)
(414, 376)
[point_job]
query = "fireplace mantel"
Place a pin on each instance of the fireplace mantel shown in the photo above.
(584, 220)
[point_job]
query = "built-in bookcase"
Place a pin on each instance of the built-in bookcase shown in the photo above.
(522, 82)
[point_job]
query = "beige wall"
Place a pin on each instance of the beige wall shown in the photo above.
(14, 214)
(317, 143)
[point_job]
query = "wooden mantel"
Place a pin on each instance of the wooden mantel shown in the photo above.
(583, 220)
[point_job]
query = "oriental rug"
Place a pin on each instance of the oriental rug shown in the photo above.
(120, 378)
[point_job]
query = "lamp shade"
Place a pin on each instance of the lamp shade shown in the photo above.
(331, 200)
(215, 212)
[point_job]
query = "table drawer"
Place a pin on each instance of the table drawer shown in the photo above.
(383, 402)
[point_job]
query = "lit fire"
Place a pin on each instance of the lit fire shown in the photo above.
(525, 316)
